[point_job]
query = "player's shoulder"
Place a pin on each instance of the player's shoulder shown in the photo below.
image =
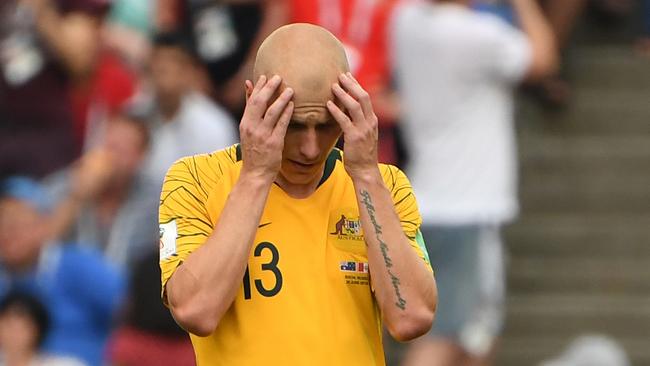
(394, 178)
(208, 165)
(199, 173)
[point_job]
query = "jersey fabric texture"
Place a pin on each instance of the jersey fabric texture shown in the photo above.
(306, 297)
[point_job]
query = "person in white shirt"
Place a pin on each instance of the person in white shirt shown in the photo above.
(456, 70)
(184, 122)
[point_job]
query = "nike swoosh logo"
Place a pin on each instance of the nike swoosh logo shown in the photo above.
(262, 225)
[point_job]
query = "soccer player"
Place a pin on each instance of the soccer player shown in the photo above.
(282, 249)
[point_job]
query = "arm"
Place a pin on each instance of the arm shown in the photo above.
(544, 60)
(73, 38)
(166, 15)
(202, 289)
(404, 287)
(90, 176)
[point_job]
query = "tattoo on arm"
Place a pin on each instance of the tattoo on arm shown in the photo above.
(370, 208)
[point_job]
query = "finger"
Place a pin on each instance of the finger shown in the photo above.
(276, 109)
(340, 117)
(351, 104)
(260, 97)
(283, 122)
(260, 83)
(355, 90)
(248, 86)
(250, 91)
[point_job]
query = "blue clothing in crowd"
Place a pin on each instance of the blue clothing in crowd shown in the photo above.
(502, 10)
(81, 292)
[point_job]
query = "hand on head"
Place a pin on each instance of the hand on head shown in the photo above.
(309, 60)
(359, 125)
(264, 126)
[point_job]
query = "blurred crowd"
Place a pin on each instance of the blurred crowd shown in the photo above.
(98, 98)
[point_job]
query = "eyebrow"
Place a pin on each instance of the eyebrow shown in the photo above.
(300, 122)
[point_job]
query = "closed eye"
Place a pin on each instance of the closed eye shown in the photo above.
(327, 126)
(296, 126)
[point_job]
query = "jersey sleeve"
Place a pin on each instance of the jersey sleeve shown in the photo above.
(407, 210)
(183, 218)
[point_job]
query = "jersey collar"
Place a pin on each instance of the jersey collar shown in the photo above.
(330, 163)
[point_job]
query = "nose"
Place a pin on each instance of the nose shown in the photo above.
(309, 149)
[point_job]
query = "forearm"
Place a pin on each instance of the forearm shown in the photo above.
(73, 37)
(541, 37)
(404, 287)
(64, 215)
(204, 286)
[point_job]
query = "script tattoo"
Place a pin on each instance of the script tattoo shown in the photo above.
(370, 208)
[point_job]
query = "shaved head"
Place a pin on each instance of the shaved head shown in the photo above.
(308, 58)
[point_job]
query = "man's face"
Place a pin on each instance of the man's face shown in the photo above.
(22, 232)
(311, 135)
(18, 332)
(126, 145)
(169, 71)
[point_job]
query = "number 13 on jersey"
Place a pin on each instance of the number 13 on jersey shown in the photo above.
(271, 266)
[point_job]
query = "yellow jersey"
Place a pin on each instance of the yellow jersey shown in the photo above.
(305, 298)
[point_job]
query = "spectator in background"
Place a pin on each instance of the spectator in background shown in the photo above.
(225, 34)
(554, 90)
(101, 97)
(24, 324)
(106, 201)
(45, 46)
(361, 25)
(456, 71)
(184, 122)
(128, 30)
(80, 290)
(149, 336)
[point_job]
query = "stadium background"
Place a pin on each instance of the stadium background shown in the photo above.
(578, 253)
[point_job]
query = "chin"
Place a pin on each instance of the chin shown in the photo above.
(301, 177)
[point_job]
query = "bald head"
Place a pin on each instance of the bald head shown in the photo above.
(307, 57)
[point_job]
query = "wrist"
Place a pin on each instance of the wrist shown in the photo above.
(366, 176)
(255, 180)
(78, 196)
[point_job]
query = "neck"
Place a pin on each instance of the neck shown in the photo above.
(115, 194)
(119, 188)
(169, 106)
(19, 358)
(299, 191)
(24, 267)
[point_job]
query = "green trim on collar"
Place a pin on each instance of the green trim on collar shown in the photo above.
(238, 152)
(330, 163)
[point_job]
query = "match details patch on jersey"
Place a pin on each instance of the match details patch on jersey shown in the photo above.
(350, 266)
(355, 273)
(168, 233)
